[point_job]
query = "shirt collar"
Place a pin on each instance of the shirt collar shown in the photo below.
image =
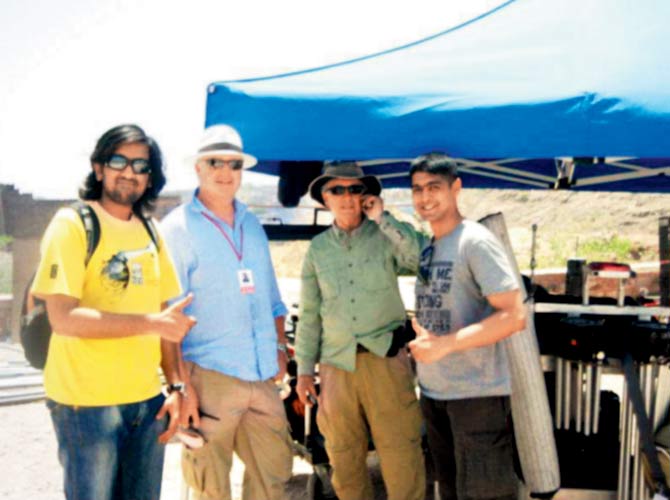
(341, 234)
(197, 206)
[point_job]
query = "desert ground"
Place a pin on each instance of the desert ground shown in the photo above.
(30, 468)
(29, 463)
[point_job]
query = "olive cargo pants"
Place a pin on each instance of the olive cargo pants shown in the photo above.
(377, 399)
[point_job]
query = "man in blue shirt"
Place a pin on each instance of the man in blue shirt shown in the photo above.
(230, 359)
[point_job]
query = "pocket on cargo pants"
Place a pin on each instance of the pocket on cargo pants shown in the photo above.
(201, 473)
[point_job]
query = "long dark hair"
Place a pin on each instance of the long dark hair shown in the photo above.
(91, 188)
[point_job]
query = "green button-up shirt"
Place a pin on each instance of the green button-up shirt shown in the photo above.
(349, 295)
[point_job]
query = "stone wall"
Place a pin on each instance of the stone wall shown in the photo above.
(2, 211)
(5, 316)
(25, 254)
(24, 216)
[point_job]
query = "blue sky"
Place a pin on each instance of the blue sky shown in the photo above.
(70, 70)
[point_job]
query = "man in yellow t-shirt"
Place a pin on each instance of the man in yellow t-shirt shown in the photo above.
(110, 327)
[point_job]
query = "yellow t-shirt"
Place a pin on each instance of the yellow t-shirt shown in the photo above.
(126, 274)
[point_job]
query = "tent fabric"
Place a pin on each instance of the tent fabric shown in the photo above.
(593, 174)
(528, 80)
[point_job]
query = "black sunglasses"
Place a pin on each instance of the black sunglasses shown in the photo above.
(425, 262)
(219, 163)
(120, 162)
(340, 190)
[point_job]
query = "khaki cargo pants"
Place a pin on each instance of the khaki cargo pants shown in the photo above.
(249, 419)
(378, 396)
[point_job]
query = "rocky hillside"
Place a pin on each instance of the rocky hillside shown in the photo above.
(597, 226)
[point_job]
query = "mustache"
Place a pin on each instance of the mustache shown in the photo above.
(127, 181)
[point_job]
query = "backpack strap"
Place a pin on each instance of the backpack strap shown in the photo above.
(26, 296)
(150, 226)
(91, 226)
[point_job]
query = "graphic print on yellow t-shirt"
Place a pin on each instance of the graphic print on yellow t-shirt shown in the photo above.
(127, 267)
(126, 274)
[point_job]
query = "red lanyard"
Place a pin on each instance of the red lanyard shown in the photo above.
(230, 242)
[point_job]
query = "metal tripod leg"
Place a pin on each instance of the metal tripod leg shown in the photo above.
(558, 395)
(579, 396)
(567, 393)
(624, 451)
(635, 445)
(588, 399)
(596, 402)
(648, 379)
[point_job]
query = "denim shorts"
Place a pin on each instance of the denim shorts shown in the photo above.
(110, 452)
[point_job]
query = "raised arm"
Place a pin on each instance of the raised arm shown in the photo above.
(407, 242)
(70, 319)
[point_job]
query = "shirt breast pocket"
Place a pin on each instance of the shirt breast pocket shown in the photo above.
(143, 270)
(374, 273)
(329, 283)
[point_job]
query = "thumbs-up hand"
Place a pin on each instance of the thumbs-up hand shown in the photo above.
(426, 347)
(171, 323)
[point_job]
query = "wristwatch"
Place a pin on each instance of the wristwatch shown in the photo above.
(179, 387)
(282, 347)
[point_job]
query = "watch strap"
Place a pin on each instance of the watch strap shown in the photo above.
(177, 387)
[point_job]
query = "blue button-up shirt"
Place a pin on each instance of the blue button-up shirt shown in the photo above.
(235, 333)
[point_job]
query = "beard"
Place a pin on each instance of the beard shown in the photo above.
(123, 196)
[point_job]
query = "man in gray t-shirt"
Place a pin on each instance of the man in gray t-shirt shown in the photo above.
(467, 301)
(467, 266)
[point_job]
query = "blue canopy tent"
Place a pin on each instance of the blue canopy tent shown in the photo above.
(572, 94)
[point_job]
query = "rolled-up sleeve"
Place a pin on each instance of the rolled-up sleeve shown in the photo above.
(406, 241)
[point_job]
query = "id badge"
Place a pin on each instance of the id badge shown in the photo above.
(246, 279)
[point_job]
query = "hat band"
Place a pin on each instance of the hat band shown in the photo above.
(220, 146)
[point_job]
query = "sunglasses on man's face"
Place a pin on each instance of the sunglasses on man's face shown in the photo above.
(219, 163)
(425, 262)
(120, 162)
(340, 190)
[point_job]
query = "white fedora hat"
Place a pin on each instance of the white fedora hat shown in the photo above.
(222, 140)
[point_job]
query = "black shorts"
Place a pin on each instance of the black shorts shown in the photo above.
(471, 446)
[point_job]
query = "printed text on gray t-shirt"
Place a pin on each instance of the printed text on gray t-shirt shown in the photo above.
(465, 267)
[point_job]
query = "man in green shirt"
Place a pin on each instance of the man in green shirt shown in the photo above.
(352, 323)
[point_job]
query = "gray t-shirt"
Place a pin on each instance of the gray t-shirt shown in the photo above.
(465, 267)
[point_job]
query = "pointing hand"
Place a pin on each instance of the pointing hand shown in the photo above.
(171, 323)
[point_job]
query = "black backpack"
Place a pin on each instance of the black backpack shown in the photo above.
(35, 331)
